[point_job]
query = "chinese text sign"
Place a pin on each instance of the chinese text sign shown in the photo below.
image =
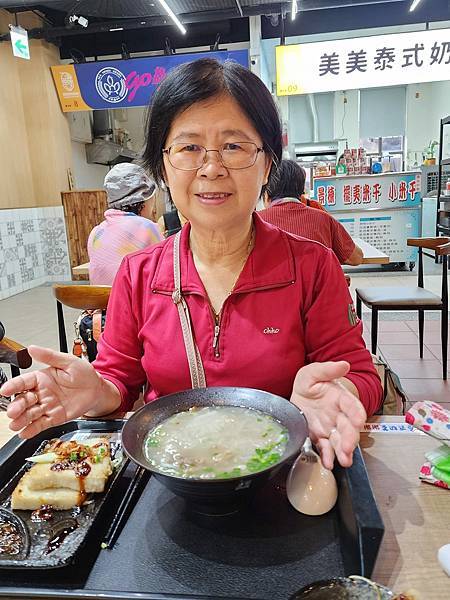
(363, 62)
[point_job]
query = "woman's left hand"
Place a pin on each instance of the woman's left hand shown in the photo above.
(335, 415)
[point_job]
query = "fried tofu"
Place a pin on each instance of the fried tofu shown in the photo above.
(64, 488)
(59, 498)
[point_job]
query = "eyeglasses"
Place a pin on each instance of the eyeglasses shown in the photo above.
(233, 155)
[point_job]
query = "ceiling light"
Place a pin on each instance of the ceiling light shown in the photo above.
(173, 16)
(414, 5)
(293, 9)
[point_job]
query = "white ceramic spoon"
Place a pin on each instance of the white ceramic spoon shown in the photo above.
(310, 488)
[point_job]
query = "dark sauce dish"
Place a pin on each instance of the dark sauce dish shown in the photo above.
(14, 536)
(214, 496)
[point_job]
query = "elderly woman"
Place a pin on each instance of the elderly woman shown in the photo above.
(129, 221)
(267, 310)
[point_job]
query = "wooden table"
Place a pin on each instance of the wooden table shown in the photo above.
(415, 514)
(81, 269)
(371, 255)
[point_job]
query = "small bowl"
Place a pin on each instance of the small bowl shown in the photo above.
(21, 530)
(214, 496)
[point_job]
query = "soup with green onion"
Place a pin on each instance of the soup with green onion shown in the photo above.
(216, 442)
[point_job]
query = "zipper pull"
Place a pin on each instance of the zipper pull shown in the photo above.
(216, 339)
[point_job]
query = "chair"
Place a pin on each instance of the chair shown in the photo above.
(81, 297)
(15, 355)
(412, 298)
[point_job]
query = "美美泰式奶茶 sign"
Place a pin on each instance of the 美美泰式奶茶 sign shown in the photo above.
(363, 62)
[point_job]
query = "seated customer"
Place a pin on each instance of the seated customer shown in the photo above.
(127, 226)
(171, 222)
(285, 210)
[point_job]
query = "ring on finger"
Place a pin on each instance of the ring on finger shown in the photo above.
(25, 396)
(32, 402)
(333, 430)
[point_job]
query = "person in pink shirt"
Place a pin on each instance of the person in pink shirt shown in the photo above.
(267, 309)
(127, 226)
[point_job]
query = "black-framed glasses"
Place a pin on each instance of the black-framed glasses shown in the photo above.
(233, 155)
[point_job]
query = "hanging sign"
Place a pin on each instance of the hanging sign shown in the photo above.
(122, 83)
(19, 42)
(363, 62)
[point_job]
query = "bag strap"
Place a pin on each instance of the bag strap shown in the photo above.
(196, 370)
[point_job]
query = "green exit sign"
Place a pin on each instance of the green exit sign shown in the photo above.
(19, 42)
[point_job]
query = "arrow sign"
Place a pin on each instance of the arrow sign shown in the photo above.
(19, 42)
(21, 47)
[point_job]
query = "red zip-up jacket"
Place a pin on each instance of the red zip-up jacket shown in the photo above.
(290, 307)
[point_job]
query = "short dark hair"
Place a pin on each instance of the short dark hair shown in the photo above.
(287, 180)
(202, 79)
(135, 208)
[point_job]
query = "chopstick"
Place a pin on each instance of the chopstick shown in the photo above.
(138, 482)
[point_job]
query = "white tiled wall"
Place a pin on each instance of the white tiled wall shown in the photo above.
(33, 248)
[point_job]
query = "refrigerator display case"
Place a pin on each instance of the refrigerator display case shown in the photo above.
(309, 155)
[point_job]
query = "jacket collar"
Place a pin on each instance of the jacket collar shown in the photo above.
(270, 264)
(278, 201)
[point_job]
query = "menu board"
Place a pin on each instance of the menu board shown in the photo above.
(386, 230)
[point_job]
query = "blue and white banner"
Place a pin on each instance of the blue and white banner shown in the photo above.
(123, 83)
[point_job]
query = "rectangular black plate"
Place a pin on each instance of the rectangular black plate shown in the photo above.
(12, 467)
(266, 552)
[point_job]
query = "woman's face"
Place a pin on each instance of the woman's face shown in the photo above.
(213, 196)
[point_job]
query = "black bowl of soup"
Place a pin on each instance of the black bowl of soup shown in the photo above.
(215, 446)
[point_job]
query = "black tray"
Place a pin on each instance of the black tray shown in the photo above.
(267, 552)
(35, 536)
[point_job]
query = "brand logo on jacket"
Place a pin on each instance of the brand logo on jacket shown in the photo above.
(271, 330)
(110, 84)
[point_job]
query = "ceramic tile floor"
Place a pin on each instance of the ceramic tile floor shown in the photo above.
(30, 317)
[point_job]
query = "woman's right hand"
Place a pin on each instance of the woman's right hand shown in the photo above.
(65, 390)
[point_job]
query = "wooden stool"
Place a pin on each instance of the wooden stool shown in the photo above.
(82, 297)
(14, 354)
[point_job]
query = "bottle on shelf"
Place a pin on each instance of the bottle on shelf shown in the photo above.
(447, 188)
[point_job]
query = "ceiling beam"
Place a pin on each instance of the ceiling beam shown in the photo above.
(51, 33)
(267, 8)
(146, 22)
